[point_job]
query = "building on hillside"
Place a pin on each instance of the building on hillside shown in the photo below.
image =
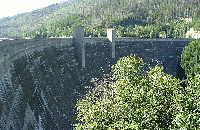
(192, 34)
(162, 34)
(187, 20)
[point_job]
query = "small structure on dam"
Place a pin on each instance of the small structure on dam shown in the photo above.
(41, 79)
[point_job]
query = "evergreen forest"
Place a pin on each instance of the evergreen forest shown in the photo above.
(131, 18)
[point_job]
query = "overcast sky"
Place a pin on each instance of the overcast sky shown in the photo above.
(13, 7)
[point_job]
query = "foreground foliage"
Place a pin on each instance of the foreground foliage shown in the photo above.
(140, 100)
(190, 58)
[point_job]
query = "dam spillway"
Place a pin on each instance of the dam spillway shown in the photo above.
(40, 79)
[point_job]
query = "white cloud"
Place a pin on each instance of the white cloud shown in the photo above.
(13, 7)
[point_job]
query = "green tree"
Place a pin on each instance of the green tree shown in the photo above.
(137, 99)
(190, 58)
(187, 115)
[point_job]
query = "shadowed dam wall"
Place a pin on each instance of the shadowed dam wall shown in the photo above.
(40, 79)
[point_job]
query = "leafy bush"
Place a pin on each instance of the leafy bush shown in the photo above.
(140, 100)
(190, 58)
(188, 108)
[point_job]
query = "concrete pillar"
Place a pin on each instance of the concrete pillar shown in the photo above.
(79, 46)
(111, 41)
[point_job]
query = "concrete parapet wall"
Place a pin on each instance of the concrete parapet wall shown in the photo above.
(94, 39)
(16, 48)
(131, 39)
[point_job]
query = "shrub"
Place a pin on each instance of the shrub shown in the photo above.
(188, 106)
(190, 58)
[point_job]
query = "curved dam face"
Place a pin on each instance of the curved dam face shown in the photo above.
(42, 90)
(41, 79)
(40, 85)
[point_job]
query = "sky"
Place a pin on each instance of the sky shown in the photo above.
(13, 7)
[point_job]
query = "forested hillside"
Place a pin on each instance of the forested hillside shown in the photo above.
(137, 18)
(14, 26)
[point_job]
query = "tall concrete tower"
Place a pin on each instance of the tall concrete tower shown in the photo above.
(111, 40)
(78, 36)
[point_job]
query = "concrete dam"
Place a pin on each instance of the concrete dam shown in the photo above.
(41, 79)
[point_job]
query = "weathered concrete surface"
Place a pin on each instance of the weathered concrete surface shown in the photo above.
(167, 51)
(40, 85)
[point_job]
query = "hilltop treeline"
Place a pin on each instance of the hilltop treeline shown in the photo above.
(176, 29)
(151, 17)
